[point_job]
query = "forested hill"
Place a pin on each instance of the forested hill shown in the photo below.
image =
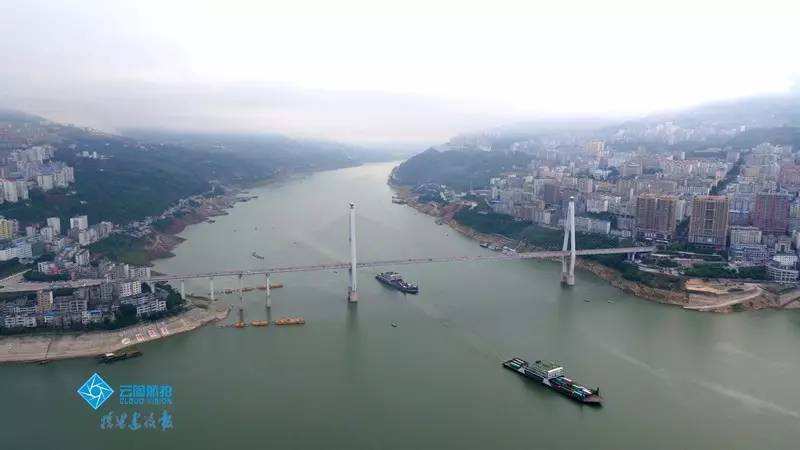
(458, 169)
(134, 178)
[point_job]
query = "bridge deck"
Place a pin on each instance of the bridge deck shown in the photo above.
(341, 265)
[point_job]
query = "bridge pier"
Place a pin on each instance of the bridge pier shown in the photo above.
(269, 297)
(211, 282)
(183, 290)
(568, 274)
(352, 291)
(241, 300)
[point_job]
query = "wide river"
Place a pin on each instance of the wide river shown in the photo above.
(348, 379)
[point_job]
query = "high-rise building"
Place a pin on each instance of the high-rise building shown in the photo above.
(47, 234)
(6, 228)
(656, 216)
(595, 147)
(551, 193)
(709, 222)
(55, 224)
(771, 212)
(789, 175)
(44, 301)
(10, 191)
(22, 190)
(79, 222)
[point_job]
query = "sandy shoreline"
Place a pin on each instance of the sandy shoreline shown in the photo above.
(55, 346)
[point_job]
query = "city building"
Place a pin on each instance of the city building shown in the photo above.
(6, 229)
(749, 254)
(783, 268)
(128, 288)
(146, 304)
(55, 224)
(656, 216)
(708, 224)
(82, 257)
(79, 223)
(741, 235)
(44, 301)
(9, 190)
(771, 212)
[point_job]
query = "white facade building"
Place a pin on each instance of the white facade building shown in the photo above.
(79, 222)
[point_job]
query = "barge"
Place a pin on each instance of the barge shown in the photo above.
(552, 375)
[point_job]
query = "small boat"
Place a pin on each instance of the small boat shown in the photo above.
(257, 256)
(586, 300)
(111, 357)
(394, 324)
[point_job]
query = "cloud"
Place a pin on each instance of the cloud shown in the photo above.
(363, 70)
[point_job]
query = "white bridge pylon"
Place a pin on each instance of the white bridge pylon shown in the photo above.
(352, 291)
(568, 274)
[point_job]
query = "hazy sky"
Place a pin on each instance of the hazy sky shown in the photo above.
(381, 71)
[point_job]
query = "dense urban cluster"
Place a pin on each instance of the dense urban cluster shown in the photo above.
(32, 168)
(714, 212)
(63, 256)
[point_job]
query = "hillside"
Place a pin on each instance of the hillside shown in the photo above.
(458, 169)
(136, 178)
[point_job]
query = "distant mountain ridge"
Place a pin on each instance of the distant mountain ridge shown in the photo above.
(134, 178)
(746, 122)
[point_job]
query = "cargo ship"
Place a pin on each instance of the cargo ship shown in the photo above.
(552, 375)
(393, 279)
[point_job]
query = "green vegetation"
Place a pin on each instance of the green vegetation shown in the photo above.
(458, 169)
(39, 276)
(482, 220)
(490, 222)
(12, 266)
(174, 299)
(776, 136)
(122, 247)
(722, 271)
(136, 179)
(631, 272)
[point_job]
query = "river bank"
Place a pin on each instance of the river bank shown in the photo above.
(695, 294)
(55, 346)
(163, 237)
